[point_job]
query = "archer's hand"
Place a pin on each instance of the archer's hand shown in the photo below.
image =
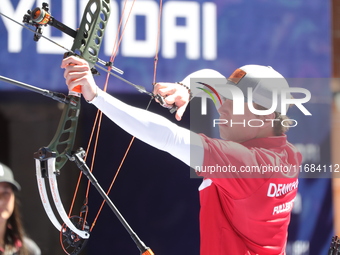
(174, 93)
(78, 72)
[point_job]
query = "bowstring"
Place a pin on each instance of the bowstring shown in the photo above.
(98, 119)
(113, 56)
(157, 42)
(133, 137)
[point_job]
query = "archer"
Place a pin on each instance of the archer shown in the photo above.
(237, 214)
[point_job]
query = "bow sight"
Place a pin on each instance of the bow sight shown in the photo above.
(87, 39)
(40, 17)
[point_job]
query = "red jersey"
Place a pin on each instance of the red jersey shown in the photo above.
(247, 195)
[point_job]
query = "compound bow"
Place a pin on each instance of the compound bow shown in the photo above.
(50, 159)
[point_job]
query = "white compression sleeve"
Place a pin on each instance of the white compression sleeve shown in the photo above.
(153, 129)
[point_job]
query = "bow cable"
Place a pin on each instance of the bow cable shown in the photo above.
(154, 82)
(98, 119)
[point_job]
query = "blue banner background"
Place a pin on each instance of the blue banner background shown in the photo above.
(291, 36)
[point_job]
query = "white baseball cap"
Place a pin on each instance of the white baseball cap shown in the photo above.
(263, 81)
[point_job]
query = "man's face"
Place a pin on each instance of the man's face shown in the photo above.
(237, 128)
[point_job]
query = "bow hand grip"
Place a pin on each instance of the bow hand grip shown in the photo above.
(76, 91)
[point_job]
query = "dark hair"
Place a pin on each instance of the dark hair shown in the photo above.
(278, 128)
(14, 230)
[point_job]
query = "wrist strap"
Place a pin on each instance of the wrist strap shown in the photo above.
(189, 90)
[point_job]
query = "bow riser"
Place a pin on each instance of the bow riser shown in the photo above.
(63, 141)
(91, 30)
(51, 159)
(87, 43)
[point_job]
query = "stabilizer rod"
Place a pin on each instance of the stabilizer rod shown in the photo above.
(60, 97)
